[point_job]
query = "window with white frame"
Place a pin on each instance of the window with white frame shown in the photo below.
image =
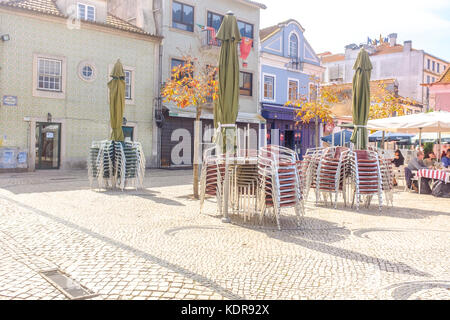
(293, 90)
(313, 90)
(86, 12)
(182, 16)
(293, 46)
(49, 75)
(128, 85)
(246, 83)
(269, 87)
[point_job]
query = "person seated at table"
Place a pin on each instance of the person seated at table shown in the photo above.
(398, 161)
(414, 165)
(430, 159)
(446, 160)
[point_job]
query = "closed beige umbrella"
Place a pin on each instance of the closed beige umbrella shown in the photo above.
(117, 101)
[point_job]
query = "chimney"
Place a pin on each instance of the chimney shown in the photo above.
(392, 39)
(407, 46)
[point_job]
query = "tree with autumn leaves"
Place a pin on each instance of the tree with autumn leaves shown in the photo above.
(192, 84)
(387, 103)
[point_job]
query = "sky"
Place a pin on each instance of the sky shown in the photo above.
(332, 24)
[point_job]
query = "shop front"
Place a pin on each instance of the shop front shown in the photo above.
(285, 129)
(177, 134)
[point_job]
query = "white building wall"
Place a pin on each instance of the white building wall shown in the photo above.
(406, 67)
(177, 43)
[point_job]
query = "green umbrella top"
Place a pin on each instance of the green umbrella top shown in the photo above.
(117, 101)
(229, 29)
(361, 98)
(117, 72)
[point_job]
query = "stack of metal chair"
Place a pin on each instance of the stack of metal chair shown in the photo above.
(279, 182)
(387, 174)
(243, 190)
(308, 172)
(116, 165)
(330, 176)
(130, 165)
(211, 178)
(366, 178)
(101, 164)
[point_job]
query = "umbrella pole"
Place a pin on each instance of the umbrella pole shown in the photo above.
(226, 184)
(226, 191)
(382, 140)
(332, 138)
(439, 142)
(420, 138)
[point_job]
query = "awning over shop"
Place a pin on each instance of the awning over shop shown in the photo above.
(279, 112)
(208, 114)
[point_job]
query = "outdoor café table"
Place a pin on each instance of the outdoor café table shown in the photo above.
(232, 164)
(433, 174)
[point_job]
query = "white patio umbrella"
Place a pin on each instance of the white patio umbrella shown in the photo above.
(433, 122)
(438, 121)
(430, 137)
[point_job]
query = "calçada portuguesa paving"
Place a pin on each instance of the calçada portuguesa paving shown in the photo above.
(154, 244)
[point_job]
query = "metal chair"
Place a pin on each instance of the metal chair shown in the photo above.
(211, 178)
(331, 174)
(366, 176)
(278, 182)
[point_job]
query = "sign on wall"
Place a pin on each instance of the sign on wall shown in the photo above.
(10, 101)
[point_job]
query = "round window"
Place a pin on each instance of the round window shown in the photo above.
(86, 71)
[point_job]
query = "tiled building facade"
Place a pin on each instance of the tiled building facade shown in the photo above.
(54, 74)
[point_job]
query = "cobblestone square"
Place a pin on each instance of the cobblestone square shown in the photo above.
(154, 244)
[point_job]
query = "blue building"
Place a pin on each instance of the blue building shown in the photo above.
(288, 66)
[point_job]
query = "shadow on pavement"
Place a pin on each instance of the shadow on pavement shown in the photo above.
(315, 234)
(73, 180)
(144, 194)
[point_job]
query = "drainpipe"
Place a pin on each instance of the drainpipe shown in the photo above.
(157, 18)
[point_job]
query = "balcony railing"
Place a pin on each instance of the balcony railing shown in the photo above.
(209, 38)
(295, 64)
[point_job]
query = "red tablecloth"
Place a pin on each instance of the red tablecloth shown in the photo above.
(434, 174)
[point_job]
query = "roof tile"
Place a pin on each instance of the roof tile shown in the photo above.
(50, 7)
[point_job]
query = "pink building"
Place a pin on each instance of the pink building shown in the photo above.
(440, 93)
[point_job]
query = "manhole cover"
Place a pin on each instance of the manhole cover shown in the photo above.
(69, 287)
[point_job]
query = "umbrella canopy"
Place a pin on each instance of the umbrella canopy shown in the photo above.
(378, 136)
(117, 101)
(227, 104)
(431, 137)
(438, 121)
(361, 98)
(340, 138)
